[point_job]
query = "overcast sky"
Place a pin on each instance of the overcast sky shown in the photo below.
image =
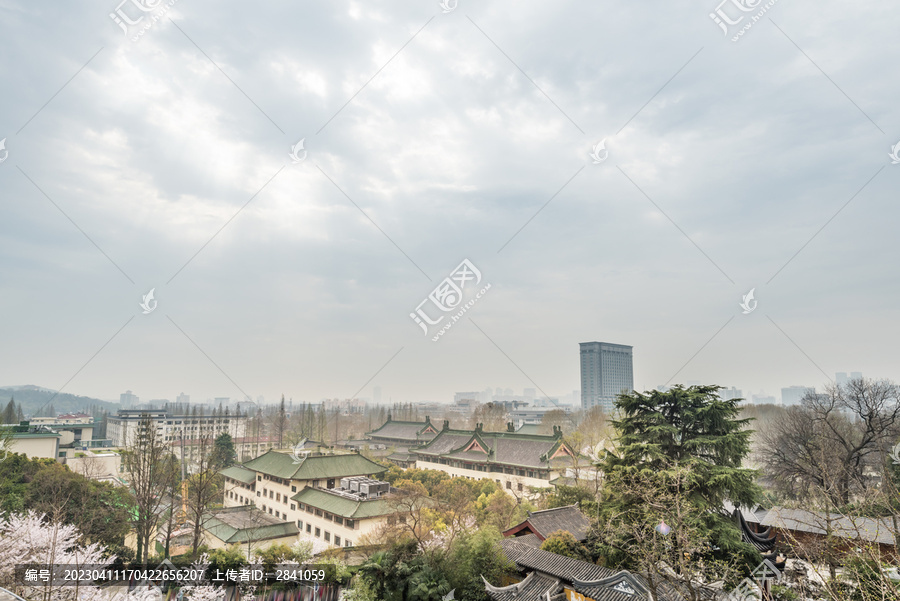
(431, 137)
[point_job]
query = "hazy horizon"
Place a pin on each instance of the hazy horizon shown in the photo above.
(432, 135)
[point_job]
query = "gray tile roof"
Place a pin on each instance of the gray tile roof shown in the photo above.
(535, 587)
(526, 557)
(602, 583)
(403, 431)
(507, 448)
(568, 518)
(530, 539)
(849, 527)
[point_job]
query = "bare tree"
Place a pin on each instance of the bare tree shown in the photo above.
(146, 469)
(833, 443)
(203, 486)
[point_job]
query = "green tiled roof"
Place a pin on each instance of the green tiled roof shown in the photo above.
(240, 524)
(313, 467)
(403, 430)
(343, 506)
(241, 474)
(503, 448)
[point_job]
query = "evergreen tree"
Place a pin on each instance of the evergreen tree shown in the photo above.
(687, 445)
(9, 414)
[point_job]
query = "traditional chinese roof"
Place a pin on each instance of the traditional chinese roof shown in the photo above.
(763, 541)
(593, 581)
(503, 448)
(344, 506)
(240, 524)
(401, 431)
(313, 466)
(848, 527)
(241, 474)
(545, 522)
(535, 587)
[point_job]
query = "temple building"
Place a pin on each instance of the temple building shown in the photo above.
(403, 434)
(518, 462)
(541, 524)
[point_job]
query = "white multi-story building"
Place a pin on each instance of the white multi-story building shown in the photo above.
(122, 428)
(330, 497)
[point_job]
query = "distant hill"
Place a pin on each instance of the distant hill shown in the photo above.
(33, 398)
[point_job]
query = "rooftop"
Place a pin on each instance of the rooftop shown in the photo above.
(344, 505)
(313, 466)
(405, 431)
(849, 527)
(246, 523)
(508, 448)
(545, 522)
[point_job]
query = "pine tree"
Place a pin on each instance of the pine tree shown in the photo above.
(9, 414)
(687, 444)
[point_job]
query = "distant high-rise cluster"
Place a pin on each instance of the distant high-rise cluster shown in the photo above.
(843, 379)
(727, 394)
(792, 395)
(606, 372)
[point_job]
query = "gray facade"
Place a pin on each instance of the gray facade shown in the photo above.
(606, 371)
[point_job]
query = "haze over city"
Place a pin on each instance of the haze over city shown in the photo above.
(430, 138)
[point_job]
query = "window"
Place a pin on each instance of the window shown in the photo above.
(270, 511)
(318, 532)
(264, 507)
(277, 514)
(308, 528)
(259, 478)
(293, 507)
(327, 516)
(348, 543)
(293, 489)
(300, 525)
(278, 497)
(338, 519)
(319, 512)
(272, 494)
(520, 487)
(257, 493)
(337, 540)
(509, 484)
(327, 536)
(349, 524)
